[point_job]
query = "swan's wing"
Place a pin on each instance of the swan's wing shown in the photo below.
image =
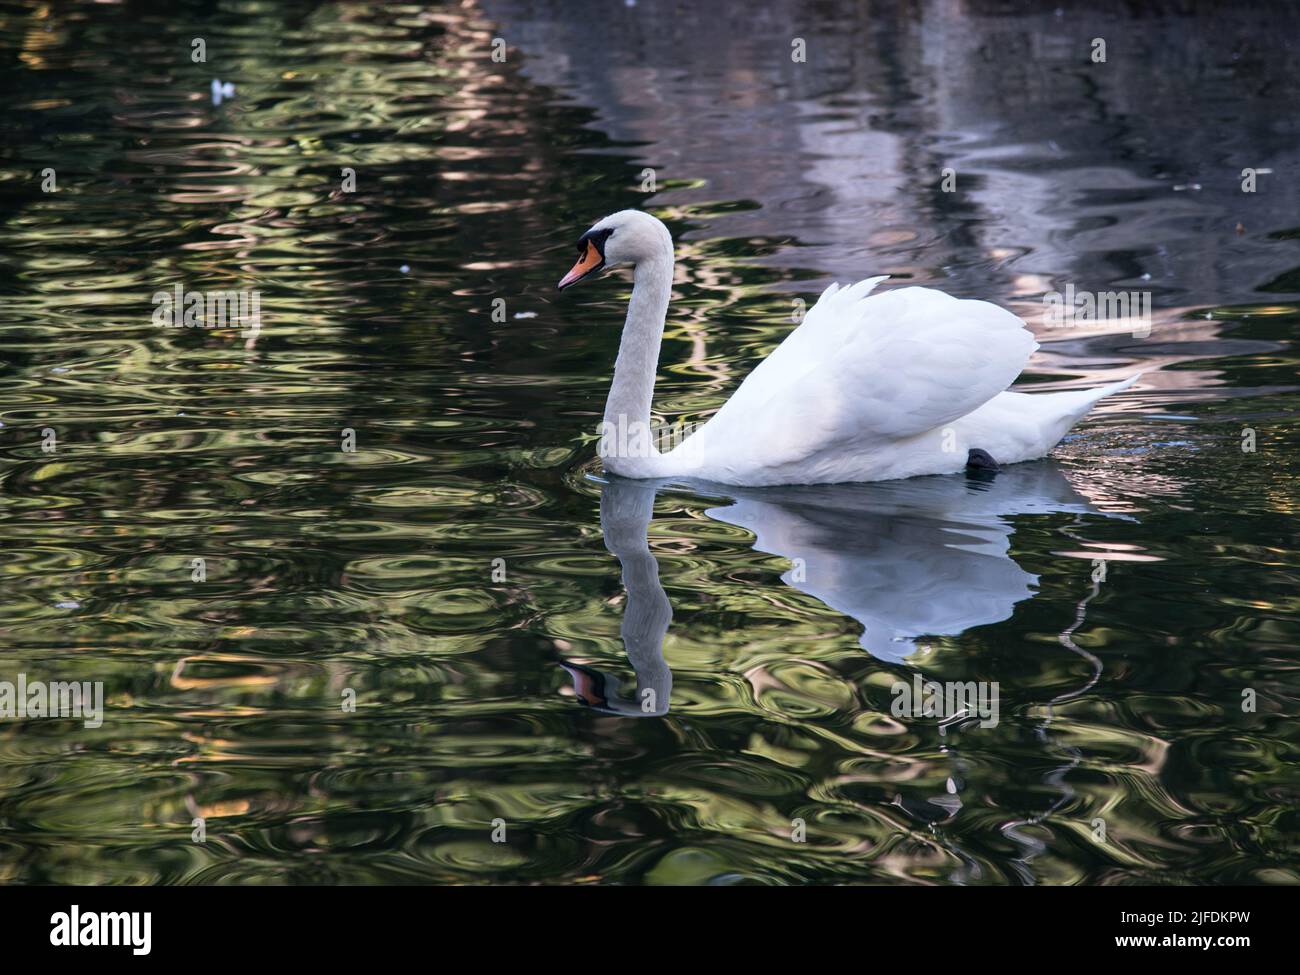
(919, 358)
(827, 325)
(874, 369)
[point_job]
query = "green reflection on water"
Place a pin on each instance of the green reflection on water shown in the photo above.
(369, 574)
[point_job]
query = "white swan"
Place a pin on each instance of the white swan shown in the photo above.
(910, 381)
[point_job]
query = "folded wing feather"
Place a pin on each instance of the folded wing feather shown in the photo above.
(863, 370)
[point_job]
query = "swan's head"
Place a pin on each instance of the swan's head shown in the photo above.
(626, 237)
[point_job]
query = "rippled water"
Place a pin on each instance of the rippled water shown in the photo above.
(1123, 595)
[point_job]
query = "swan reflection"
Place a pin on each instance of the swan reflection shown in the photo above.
(924, 557)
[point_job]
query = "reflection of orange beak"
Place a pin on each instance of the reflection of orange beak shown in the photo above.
(589, 262)
(585, 685)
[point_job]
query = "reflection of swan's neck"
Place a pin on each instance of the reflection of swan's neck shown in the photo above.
(633, 388)
(625, 513)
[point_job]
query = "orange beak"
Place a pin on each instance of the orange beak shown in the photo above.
(590, 261)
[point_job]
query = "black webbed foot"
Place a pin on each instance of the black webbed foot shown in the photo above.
(981, 460)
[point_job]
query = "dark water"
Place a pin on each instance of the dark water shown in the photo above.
(1125, 595)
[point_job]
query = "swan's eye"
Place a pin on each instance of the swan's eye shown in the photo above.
(596, 238)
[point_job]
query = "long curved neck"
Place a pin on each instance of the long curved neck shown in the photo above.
(632, 391)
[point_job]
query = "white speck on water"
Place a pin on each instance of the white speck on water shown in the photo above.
(525, 314)
(405, 269)
(1146, 275)
(68, 604)
(221, 89)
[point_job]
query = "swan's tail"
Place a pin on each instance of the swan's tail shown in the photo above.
(1122, 384)
(1091, 396)
(1070, 407)
(1103, 391)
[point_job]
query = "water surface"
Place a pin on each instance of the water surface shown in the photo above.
(497, 608)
